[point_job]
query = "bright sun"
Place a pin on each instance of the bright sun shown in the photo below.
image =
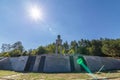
(35, 13)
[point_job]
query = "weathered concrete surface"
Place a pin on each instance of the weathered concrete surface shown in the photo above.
(77, 66)
(57, 64)
(93, 62)
(18, 63)
(72, 66)
(110, 63)
(36, 65)
(5, 64)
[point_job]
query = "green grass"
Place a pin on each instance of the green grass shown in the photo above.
(58, 76)
(6, 73)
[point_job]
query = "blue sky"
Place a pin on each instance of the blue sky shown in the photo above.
(72, 19)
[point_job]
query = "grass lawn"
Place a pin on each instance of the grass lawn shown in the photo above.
(114, 75)
(7, 73)
(57, 76)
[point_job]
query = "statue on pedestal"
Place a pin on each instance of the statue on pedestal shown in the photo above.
(58, 44)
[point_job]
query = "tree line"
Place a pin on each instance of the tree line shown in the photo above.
(95, 47)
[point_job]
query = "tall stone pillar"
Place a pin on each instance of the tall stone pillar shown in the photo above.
(58, 44)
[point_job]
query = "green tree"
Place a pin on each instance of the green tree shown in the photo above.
(71, 51)
(18, 45)
(65, 47)
(41, 50)
(5, 54)
(50, 48)
(15, 53)
(5, 47)
(34, 52)
(83, 46)
(111, 47)
(73, 46)
(95, 48)
(25, 53)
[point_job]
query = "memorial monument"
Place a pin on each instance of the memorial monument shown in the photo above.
(58, 45)
(58, 63)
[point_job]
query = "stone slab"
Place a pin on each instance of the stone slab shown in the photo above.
(5, 64)
(57, 64)
(110, 63)
(93, 62)
(41, 64)
(32, 62)
(77, 66)
(36, 65)
(18, 63)
(72, 66)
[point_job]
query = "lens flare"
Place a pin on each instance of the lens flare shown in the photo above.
(35, 12)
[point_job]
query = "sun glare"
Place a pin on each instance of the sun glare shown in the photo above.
(35, 13)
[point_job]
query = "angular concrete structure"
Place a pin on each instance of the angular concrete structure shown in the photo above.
(36, 65)
(18, 63)
(58, 63)
(94, 63)
(30, 63)
(5, 64)
(76, 66)
(110, 63)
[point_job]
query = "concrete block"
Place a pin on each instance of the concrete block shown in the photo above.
(72, 66)
(93, 62)
(36, 65)
(30, 63)
(18, 63)
(110, 63)
(5, 64)
(41, 64)
(57, 64)
(77, 66)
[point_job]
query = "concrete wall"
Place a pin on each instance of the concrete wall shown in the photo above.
(77, 66)
(18, 63)
(110, 63)
(36, 65)
(93, 62)
(57, 64)
(5, 64)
